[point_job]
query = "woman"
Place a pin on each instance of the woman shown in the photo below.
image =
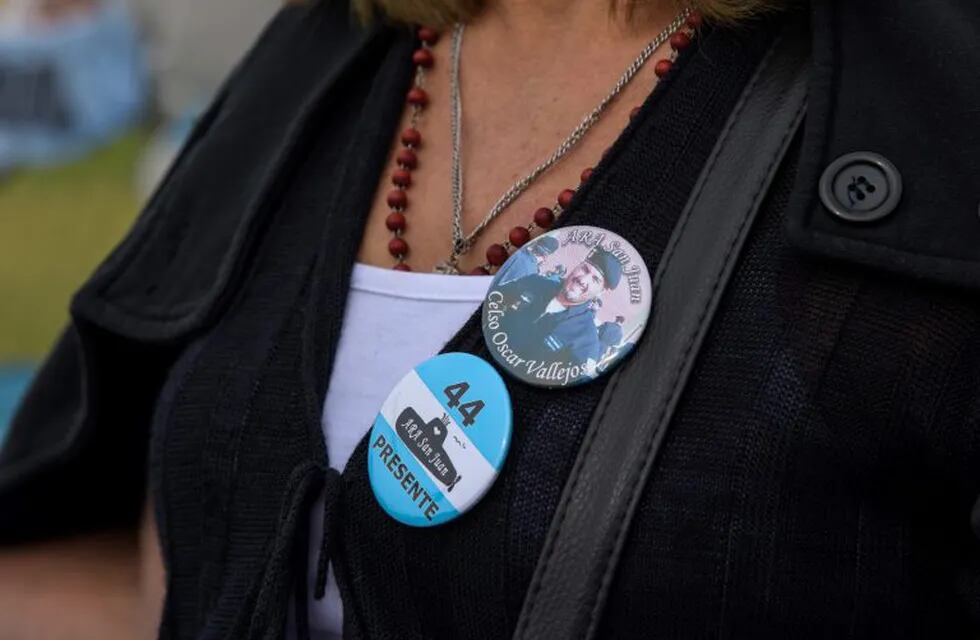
(814, 466)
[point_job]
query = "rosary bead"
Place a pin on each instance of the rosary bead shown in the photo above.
(411, 137)
(395, 221)
(407, 159)
(680, 41)
(401, 178)
(397, 199)
(397, 247)
(662, 68)
(418, 97)
(428, 35)
(565, 198)
(496, 254)
(544, 217)
(423, 58)
(586, 174)
(479, 271)
(695, 20)
(401, 266)
(519, 236)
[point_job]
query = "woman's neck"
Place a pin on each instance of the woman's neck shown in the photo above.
(549, 42)
(582, 23)
(530, 71)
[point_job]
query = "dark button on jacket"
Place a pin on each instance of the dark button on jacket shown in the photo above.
(861, 187)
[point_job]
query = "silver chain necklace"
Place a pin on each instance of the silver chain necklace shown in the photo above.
(464, 242)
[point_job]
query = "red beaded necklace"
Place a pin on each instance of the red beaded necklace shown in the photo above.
(406, 160)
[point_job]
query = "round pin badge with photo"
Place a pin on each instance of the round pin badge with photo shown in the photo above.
(439, 441)
(567, 307)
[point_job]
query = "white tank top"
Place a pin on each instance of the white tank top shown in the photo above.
(393, 321)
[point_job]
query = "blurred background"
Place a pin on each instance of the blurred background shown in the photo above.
(96, 97)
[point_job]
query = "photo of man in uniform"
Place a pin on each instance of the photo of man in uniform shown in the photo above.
(555, 320)
(526, 263)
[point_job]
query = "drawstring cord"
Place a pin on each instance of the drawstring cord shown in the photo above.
(300, 588)
(333, 496)
(269, 615)
(290, 553)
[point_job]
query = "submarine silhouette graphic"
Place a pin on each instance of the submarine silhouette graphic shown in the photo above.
(425, 441)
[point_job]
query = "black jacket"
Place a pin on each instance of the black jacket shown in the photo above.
(818, 477)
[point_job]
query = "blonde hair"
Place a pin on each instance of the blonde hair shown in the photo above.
(438, 13)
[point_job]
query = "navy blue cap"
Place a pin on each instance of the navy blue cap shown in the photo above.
(607, 263)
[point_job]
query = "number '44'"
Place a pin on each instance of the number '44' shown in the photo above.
(469, 410)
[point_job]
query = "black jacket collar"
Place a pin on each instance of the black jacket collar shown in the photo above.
(191, 244)
(897, 79)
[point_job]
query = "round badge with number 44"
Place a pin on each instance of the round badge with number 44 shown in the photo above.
(440, 439)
